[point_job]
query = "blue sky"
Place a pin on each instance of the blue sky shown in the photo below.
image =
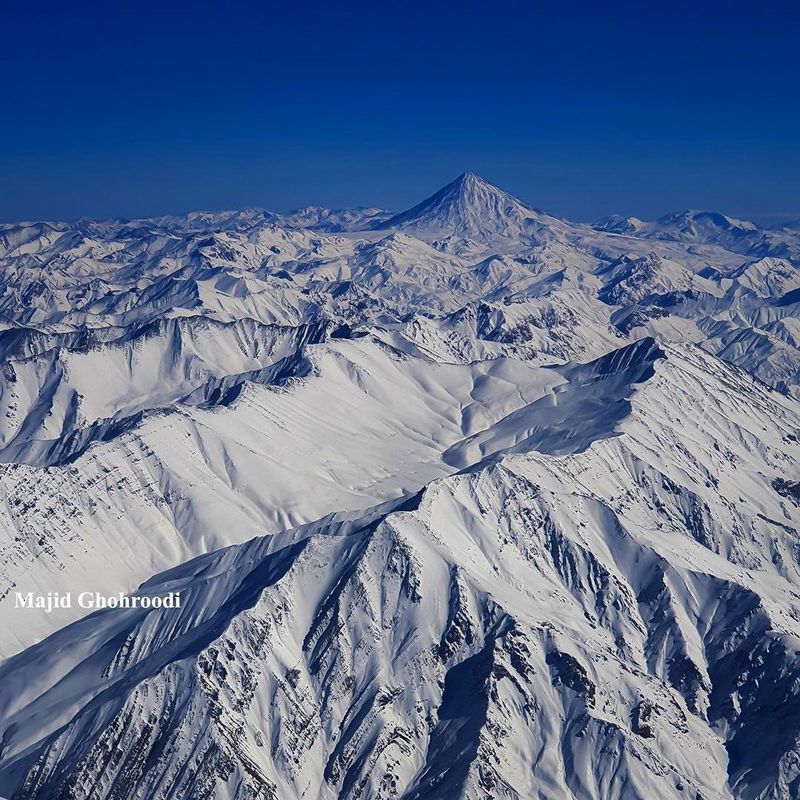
(582, 109)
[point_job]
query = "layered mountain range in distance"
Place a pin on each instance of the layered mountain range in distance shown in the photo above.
(463, 502)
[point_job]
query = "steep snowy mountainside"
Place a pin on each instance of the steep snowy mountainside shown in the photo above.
(335, 220)
(69, 282)
(705, 227)
(562, 323)
(580, 625)
(470, 208)
(710, 228)
(589, 406)
(734, 317)
(363, 425)
(204, 475)
(617, 223)
(769, 277)
(53, 406)
(630, 281)
(469, 243)
(463, 502)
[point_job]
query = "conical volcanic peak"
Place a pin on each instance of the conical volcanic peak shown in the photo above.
(468, 207)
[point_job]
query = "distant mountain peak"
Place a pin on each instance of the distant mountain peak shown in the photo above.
(334, 220)
(469, 188)
(711, 219)
(616, 223)
(468, 207)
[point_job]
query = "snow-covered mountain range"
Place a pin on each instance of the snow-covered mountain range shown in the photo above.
(466, 501)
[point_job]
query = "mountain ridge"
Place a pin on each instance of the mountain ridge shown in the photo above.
(396, 542)
(467, 501)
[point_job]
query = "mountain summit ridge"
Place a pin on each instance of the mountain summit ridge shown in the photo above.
(470, 207)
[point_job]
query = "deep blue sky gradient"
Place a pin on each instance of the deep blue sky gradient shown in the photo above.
(582, 109)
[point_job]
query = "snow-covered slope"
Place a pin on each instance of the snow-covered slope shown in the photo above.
(462, 502)
(470, 208)
(365, 424)
(599, 622)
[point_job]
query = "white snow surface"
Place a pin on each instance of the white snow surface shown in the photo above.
(463, 502)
